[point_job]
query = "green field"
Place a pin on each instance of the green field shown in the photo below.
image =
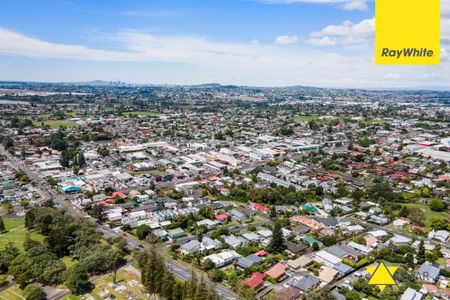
(16, 233)
(139, 113)
(373, 121)
(72, 113)
(55, 124)
(13, 293)
(429, 214)
(305, 118)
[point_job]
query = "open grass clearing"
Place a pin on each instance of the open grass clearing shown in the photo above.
(16, 233)
(55, 124)
(305, 118)
(140, 113)
(429, 214)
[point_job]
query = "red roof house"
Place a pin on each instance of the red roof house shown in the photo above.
(119, 195)
(261, 207)
(255, 281)
(277, 271)
(221, 217)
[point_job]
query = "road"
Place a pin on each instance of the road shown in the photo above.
(40, 183)
(63, 202)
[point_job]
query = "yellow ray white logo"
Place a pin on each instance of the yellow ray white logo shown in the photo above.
(407, 32)
(382, 275)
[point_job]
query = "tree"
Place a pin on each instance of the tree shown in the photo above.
(404, 212)
(352, 295)
(437, 205)
(98, 212)
(58, 142)
(315, 246)
(425, 192)
(208, 264)
(216, 275)
(177, 292)
(81, 161)
(439, 224)
(421, 253)
(7, 255)
(416, 215)
(207, 212)
(273, 212)
(2, 226)
(78, 280)
(276, 245)
(33, 291)
(167, 287)
(359, 240)
(65, 159)
(142, 231)
(365, 142)
(103, 151)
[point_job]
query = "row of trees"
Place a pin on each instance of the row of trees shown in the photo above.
(158, 279)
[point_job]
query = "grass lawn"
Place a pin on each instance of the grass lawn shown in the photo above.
(13, 293)
(429, 214)
(68, 261)
(305, 118)
(16, 233)
(56, 123)
(70, 297)
(139, 113)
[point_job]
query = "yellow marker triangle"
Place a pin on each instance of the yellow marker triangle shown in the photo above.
(382, 275)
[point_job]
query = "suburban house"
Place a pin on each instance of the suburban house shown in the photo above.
(277, 271)
(428, 273)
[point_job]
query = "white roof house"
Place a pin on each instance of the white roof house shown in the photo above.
(223, 258)
(378, 233)
(359, 247)
(328, 257)
(411, 294)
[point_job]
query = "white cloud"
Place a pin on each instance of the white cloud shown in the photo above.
(321, 41)
(344, 34)
(304, 1)
(444, 55)
(392, 76)
(356, 5)
(344, 4)
(445, 30)
(445, 8)
(188, 60)
(287, 40)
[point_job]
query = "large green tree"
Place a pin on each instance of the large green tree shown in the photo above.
(78, 280)
(276, 244)
(33, 291)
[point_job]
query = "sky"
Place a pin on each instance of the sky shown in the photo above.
(323, 43)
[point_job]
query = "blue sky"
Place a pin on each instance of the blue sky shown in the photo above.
(248, 42)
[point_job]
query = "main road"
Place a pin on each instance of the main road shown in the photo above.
(180, 270)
